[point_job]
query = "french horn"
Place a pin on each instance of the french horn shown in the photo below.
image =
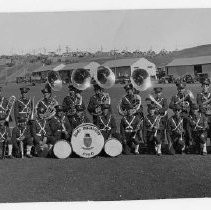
(54, 80)
(104, 77)
(140, 79)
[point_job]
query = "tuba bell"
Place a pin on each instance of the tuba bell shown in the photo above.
(81, 79)
(104, 77)
(140, 79)
(54, 80)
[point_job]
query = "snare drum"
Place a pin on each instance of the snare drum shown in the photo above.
(113, 147)
(62, 149)
(87, 141)
(42, 151)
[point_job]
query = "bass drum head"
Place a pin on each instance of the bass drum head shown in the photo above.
(62, 149)
(87, 140)
(113, 147)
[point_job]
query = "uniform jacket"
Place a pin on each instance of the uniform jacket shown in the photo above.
(76, 121)
(163, 102)
(197, 123)
(201, 98)
(5, 133)
(17, 133)
(175, 126)
(23, 107)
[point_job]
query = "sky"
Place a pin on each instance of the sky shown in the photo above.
(92, 30)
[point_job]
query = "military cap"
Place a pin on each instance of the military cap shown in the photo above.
(97, 87)
(151, 106)
(105, 106)
(177, 107)
(194, 107)
(72, 88)
(158, 89)
(21, 119)
(206, 81)
(59, 108)
(46, 89)
(80, 108)
(24, 89)
(181, 85)
(128, 86)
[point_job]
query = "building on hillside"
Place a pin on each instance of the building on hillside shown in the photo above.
(67, 70)
(182, 66)
(123, 67)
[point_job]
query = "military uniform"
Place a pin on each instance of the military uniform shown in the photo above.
(204, 101)
(21, 134)
(60, 125)
(175, 132)
(95, 102)
(77, 119)
(154, 127)
(23, 106)
(197, 128)
(70, 102)
(46, 105)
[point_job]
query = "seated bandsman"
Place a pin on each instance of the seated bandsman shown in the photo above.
(197, 126)
(204, 101)
(175, 132)
(106, 122)
(21, 137)
(41, 132)
(154, 126)
(80, 116)
(5, 139)
(70, 102)
(60, 125)
(130, 100)
(47, 103)
(100, 97)
(23, 106)
(129, 128)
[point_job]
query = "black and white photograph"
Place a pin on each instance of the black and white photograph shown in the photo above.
(105, 105)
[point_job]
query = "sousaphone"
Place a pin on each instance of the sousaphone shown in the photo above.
(54, 80)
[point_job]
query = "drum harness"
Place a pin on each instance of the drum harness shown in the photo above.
(196, 123)
(106, 126)
(26, 108)
(129, 127)
(153, 125)
(21, 133)
(206, 98)
(42, 128)
(2, 135)
(62, 123)
(1, 106)
(177, 126)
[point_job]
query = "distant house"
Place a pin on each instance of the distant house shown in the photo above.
(123, 67)
(183, 66)
(42, 71)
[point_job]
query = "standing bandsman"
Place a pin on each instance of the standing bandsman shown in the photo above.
(41, 132)
(106, 122)
(130, 126)
(47, 103)
(100, 97)
(80, 116)
(130, 100)
(70, 102)
(154, 126)
(183, 99)
(23, 106)
(21, 134)
(175, 132)
(197, 128)
(204, 101)
(60, 125)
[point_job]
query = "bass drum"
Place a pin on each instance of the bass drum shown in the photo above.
(87, 141)
(62, 149)
(113, 147)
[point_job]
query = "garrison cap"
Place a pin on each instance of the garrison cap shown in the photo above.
(128, 86)
(206, 81)
(24, 89)
(21, 119)
(181, 85)
(151, 106)
(97, 87)
(72, 88)
(80, 108)
(59, 108)
(158, 89)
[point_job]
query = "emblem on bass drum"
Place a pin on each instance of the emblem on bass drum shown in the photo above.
(87, 140)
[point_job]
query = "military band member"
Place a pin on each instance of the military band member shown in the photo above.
(106, 122)
(5, 138)
(47, 103)
(80, 116)
(60, 125)
(21, 137)
(197, 128)
(183, 99)
(154, 126)
(100, 97)
(129, 127)
(130, 100)
(70, 102)
(23, 106)
(204, 101)
(175, 132)
(41, 132)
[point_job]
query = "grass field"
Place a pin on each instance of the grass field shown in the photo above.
(100, 178)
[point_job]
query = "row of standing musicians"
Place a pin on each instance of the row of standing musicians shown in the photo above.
(189, 125)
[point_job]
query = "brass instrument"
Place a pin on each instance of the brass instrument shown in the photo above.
(54, 80)
(32, 114)
(11, 102)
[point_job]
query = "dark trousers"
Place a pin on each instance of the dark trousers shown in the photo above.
(131, 141)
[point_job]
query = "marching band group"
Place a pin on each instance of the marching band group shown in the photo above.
(189, 125)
